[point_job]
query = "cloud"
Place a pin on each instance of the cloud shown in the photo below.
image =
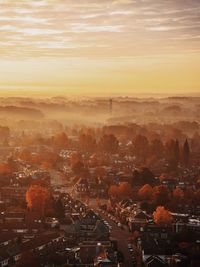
(172, 28)
(81, 28)
(122, 2)
(28, 19)
(110, 27)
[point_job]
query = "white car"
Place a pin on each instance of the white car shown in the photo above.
(130, 246)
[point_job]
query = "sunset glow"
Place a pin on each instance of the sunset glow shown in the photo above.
(100, 46)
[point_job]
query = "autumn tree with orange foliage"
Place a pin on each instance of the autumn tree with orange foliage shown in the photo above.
(162, 217)
(113, 191)
(74, 158)
(61, 141)
(125, 189)
(87, 143)
(161, 195)
(177, 198)
(94, 160)
(36, 198)
(98, 202)
(100, 171)
(25, 155)
(178, 194)
(120, 191)
(46, 159)
(141, 147)
(79, 169)
(46, 165)
(145, 192)
(109, 144)
(163, 177)
(196, 197)
(5, 169)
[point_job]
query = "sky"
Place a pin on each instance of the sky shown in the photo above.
(100, 46)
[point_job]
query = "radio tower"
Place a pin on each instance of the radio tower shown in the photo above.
(110, 105)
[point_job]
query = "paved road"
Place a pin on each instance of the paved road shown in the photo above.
(122, 236)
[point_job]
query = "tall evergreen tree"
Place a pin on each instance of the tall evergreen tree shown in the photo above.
(177, 151)
(186, 153)
(172, 152)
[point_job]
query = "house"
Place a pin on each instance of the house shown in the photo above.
(14, 216)
(12, 193)
(21, 228)
(101, 231)
(95, 252)
(41, 245)
(7, 238)
(150, 245)
(91, 227)
(152, 230)
(155, 261)
(82, 187)
(91, 217)
(138, 219)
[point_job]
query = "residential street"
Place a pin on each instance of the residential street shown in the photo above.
(122, 236)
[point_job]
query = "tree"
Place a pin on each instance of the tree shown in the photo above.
(177, 151)
(195, 142)
(136, 178)
(196, 197)
(157, 148)
(25, 155)
(78, 168)
(162, 216)
(98, 202)
(172, 154)
(59, 209)
(100, 172)
(74, 158)
(28, 259)
(125, 190)
(163, 177)
(189, 195)
(60, 141)
(46, 165)
(198, 183)
(186, 153)
(36, 198)
(146, 176)
(178, 194)
(109, 143)
(143, 176)
(113, 191)
(145, 192)
(5, 169)
(94, 160)
(160, 195)
(120, 191)
(46, 159)
(141, 145)
(87, 143)
(87, 200)
(4, 133)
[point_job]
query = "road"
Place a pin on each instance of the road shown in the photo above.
(122, 236)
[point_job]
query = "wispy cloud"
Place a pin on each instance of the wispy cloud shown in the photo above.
(110, 27)
(86, 28)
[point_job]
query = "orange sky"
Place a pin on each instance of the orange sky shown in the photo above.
(107, 46)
